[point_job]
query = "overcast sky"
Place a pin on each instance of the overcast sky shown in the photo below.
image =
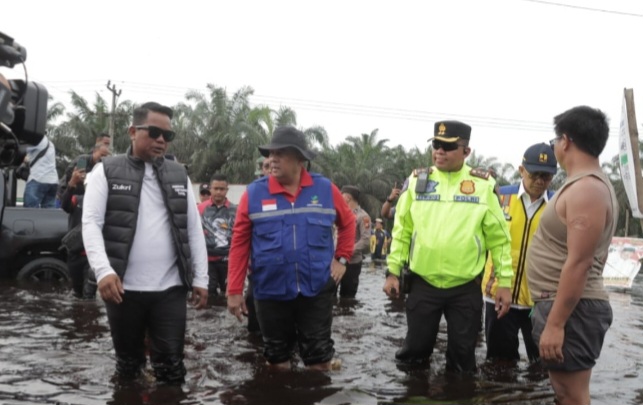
(506, 67)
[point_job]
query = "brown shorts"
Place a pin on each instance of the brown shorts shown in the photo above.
(584, 333)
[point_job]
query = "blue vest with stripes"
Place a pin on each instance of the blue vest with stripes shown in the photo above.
(292, 243)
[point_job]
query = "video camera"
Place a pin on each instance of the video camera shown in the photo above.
(23, 108)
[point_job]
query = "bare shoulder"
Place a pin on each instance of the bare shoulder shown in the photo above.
(588, 198)
(589, 188)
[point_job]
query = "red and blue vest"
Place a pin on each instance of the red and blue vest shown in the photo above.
(292, 243)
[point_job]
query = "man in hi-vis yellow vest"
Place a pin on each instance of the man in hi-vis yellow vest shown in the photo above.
(522, 204)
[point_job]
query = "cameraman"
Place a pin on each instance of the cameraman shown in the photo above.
(42, 182)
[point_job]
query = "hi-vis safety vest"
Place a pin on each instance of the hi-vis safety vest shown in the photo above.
(445, 222)
(522, 230)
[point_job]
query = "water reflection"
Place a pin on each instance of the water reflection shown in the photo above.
(56, 350)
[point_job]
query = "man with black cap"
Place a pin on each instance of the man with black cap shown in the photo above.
(446, 220)
(350, 282)
(284, 225)
(523, 204)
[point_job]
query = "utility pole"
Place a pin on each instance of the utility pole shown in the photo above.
(112, 117)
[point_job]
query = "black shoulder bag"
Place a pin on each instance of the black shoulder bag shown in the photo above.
(23, 171)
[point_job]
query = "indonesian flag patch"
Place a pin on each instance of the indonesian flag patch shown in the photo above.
(268, 205)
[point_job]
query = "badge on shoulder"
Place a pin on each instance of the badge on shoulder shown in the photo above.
(481, 173)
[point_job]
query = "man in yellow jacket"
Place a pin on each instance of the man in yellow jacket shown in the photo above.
(380, 240)
(523, 204)
(446, 220)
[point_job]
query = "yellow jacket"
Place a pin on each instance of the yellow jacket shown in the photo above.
(447, 229)
(522, 230)
(387, 241)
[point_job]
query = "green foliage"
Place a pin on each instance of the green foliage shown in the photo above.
(219, 132)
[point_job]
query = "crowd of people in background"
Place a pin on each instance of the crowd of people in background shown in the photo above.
(527, 258)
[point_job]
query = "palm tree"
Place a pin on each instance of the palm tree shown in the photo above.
(214, 131)
(54, 111)
(361, 161)
(504, 173)
(219, 133)
(77, 133)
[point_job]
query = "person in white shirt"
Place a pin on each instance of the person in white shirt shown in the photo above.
(42, 184)
(145, 244)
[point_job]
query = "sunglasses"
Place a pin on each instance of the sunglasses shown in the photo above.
(445, 146)
(555, 140)
(541, 175)
(155, 132)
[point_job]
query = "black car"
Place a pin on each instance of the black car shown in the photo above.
(30, 238)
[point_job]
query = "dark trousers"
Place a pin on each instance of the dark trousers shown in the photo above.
(79, 272)
(502, 334)
(462, 309)
(305, 321)
(377, 257)
(253, 322)
(218, 273)
(350, 282)
(160, 314)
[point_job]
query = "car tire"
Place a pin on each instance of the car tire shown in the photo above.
(44, 269)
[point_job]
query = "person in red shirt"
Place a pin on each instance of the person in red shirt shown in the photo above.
(217, 218)
(284, 226)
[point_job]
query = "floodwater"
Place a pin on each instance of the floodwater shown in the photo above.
(57, 351)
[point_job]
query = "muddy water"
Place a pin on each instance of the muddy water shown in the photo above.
(57, 351)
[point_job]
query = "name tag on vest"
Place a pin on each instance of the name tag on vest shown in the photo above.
(121, 188)
(427, 197)
(466, 198)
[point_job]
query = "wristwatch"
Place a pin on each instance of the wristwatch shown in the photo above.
(342, 261)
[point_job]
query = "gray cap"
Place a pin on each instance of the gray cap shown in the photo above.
(288, 137)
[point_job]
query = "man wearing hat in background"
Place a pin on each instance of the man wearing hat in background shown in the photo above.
(523, 204)
(380, 240)
(263, 167)
(446, 220)
(204, 192)
(284, 225)
(350, 282)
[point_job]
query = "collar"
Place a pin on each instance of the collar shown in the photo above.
(305, 180)
(157, 162)
(464, 169)
(226, 203)
(521, 191)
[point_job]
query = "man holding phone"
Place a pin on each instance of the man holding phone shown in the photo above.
(71, 191)
(388, 210)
